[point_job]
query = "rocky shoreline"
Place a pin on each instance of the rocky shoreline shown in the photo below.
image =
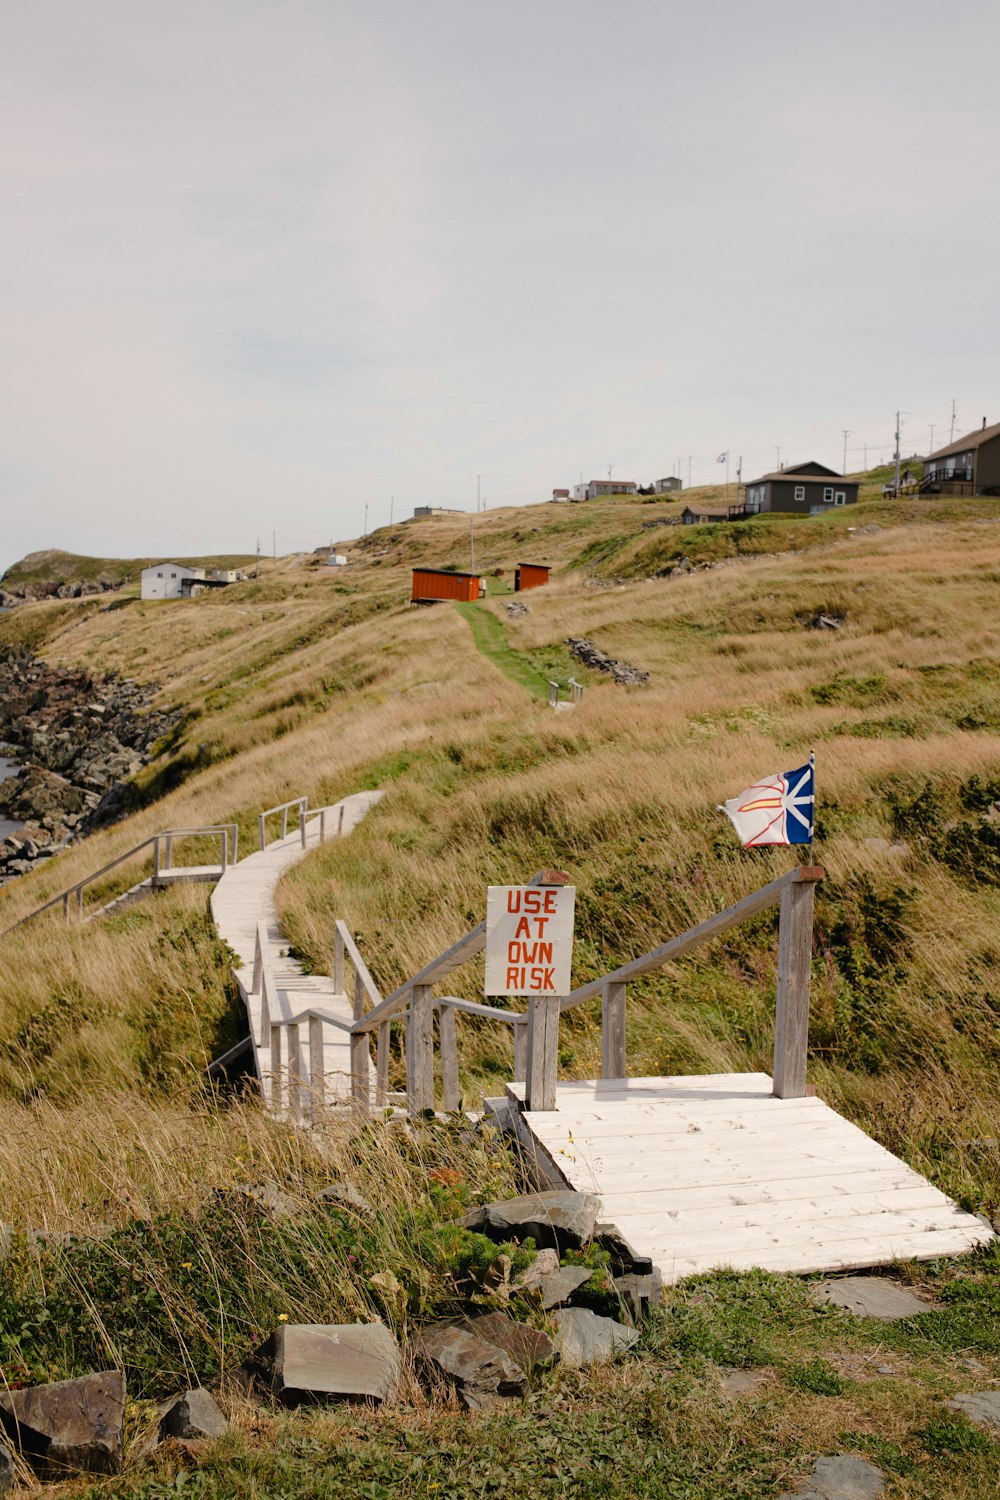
(78, 739)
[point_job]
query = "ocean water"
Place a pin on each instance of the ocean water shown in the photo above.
(7, 768)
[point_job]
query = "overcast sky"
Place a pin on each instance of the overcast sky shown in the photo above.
(265, 260)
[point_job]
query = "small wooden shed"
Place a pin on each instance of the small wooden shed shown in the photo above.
(433, 584)
(530, 576)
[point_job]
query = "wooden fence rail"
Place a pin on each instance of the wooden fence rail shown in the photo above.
(284, 808)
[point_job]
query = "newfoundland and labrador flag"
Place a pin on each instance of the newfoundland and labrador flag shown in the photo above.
(777, 809)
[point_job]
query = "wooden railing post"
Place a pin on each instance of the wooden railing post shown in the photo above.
(65, 901)
(302, 823)
(156, 859)
(340, 820)
(284, 821)
(277, 1092)
(168, 852)
(613, 1064)
(450, 1087)
(317, 1067)
(420, 1050)
(791, 1019)
(543, 1052)
(520, 1030)
(338, 961)
(296, 1077)
(360, 1053)
(79, 902)
(262, 829)
(382, 1064)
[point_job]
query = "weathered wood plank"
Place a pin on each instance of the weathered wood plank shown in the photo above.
(791, 1021)
(543, 1052)
(420, 1050)
(613, 1061)
(451, 1091)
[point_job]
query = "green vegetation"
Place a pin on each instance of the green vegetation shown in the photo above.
(53, 566)
(531, 669)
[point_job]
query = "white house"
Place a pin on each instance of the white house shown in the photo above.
(168, 580)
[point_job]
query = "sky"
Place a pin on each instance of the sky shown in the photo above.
(266, 263)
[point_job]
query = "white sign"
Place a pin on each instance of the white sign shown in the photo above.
(529, 939)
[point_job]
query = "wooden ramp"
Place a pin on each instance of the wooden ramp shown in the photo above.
(243, 898)
(704, 1172)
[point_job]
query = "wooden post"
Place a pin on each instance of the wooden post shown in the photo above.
(156, 858)
(79, 902)
(338, 961)
(317, 1067)
(420, 1051)
(340, 820)
(277, 1092)
(520, 1030)
(302, 823)
(613, 1032)
(791, 1019)
(322, 825)
(66, 907)
(382, 1064)
(284, 821)
(263, 831)
(296, 1079)
(168, 852)
(543, 1051)
(361, 1063)
(359, 996)
(449, 1059)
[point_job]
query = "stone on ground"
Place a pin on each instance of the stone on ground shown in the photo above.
(979, 1406)
(344, 1195)
(327, 1361)
(69, 1425)
(841, 1478)
(6, 1469)
(870, 1297)
(737, 1383)
(560, 1220)
(584, 1338)
(528, 1347)
(555, 1287)
(480, 1371)
(193, 1414)
(640, 1294)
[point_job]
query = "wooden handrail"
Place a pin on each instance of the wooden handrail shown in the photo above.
(488, 1012)
(229, 832)
(768, 895)
(302, 803)
(342, 934)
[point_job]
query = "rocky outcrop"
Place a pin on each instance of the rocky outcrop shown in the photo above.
(559, 1220)
(70, 1425)
(78, 739)
(592, 656)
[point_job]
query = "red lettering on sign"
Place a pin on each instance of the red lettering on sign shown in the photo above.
(523, 928)
(550, 903)
(541, 923)
(514, 979)
(543, 953)
(513, 899)
(533, 902)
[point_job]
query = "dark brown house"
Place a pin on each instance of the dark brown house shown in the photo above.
(803, 490)
(970, 466)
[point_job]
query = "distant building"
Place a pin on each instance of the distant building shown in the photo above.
(169, 580)
(698, 516)
(421, 511)
(969, 466)
(336, 560)
(530, 576)
(598, 488)
(431, 585)
(560, 494)
(668, 486)
(806, 489)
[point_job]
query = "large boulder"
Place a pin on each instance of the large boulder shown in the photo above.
(556, 1286)
(332, 1361)
(528, 1347)
(69, 1425)
(192, 1414)
(476, 1366)
(561, 1219)
(584, 1338)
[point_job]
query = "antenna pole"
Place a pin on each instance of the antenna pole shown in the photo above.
(846, 436)
(897, 455)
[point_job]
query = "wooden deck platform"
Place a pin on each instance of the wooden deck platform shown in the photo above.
(711, 1171)
(177, 875)
(245, 896)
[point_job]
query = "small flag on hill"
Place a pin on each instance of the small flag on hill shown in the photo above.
(777, 809)
(723, 458)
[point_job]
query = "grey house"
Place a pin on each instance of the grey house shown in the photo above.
(804, 490)
(970, 466)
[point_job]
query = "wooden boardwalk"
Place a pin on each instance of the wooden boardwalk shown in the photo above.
(712, 1171)
(243, 898)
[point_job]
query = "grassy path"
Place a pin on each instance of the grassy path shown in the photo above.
(490, 638)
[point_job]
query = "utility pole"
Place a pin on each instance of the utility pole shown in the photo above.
(846, 436)
(366, 518)
(952, 438)
(392, 507)
(472, 544)
(897, 455)
(479, 503)
(274, 545)
(739, 479)
(257, 569)
(931, 447)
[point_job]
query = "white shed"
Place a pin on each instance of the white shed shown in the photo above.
(167, 580)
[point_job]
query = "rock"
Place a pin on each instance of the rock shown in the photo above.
(480, 1370)
(583, 1338)
(556, 1287)
(870, 1297)
(344, 1195)
(345, 1361)
(6, 1469)
(561, 1220)
(265, 1195)
(69, 1425)
(841, 1478)
(591, 656)
(623, 1257)
(528, 1347)
(544, 1263)
(193, 1414)
(737, 1383)
(982, 1407)
(515, 609)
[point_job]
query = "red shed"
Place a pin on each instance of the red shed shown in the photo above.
(530, 576)
(430, 584)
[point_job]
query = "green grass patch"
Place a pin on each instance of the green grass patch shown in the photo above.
(531, 670)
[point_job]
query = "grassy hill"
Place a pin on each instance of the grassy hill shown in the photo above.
(54, 566)
(319, 681)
